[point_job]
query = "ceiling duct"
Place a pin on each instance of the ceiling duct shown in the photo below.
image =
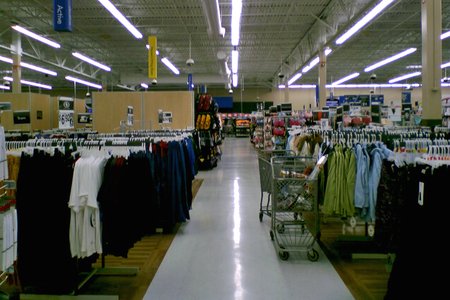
(212, 12)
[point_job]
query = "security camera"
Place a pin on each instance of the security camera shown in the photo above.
(372, 91)
(230, 91)
(154, 82)
(190, 62)
(446, 79)
(373, 76)
(88, 95)
(280, 75)
(6, 83)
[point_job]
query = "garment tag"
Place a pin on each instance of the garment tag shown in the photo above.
(421, 190)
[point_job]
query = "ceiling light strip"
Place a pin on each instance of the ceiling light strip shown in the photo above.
(144, 85)
(125, 87)
(403, 77)
(294, 78)
(36, 36)
(390, 59)
(91, 61)
(31, 83)
(168, 64)
(39, 69)
(234, 61)
(446, 65)
(4, 87)
(84, 82)
(366, 19)
(315, 61)
(29, 66)
(346, 78)
(445, 35)
(236, 21)
(121, 18)
(235, 80)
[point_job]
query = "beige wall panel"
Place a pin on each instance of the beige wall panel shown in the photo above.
(79, 108)
(180, 103)
(40, 102)
(109, 108)
(18, 102)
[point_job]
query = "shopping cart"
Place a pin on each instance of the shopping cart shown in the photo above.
(295, 214)
(265, 177)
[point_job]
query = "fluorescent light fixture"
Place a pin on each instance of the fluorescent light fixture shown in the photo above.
(366, 19)
(39, 69)
(298, 86)
(346, 78)
(125, 87)
(168, 64)
(414, 67)
(403, 77)
(390, 59)
(36, 37)
(91, 61)
(315, 61)
(234, 61)
(120, 17)
(445, 35)
(236, 21)
(445, 84)
(311, 65)
(81, 81)
(29, 66)
(26, 82)
(144, 85)
(235, 80)
(148, 48)
(4, 87)
(446, 65)
(294, 78)
(6, 59)
(365, 86)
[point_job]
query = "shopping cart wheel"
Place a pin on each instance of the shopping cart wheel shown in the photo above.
(313, 255)
(284, 255)
(261, 216)
(271, 235)
(280, 228)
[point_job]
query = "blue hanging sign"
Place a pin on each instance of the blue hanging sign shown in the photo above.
(62, 15)
(190, 83)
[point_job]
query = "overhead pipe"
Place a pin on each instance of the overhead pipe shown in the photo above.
(212, 12)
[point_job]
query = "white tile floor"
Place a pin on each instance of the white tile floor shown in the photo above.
(225, 252)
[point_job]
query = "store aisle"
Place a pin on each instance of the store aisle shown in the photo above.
(225, 253)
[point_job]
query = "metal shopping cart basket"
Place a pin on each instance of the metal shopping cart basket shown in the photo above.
(265, 177)
(295, 214)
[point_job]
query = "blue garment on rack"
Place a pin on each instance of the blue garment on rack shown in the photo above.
(362, 177)
(376, 162)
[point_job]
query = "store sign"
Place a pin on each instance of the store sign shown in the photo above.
(152, 58)
(62, 15)
(130, 115)
(66, 112)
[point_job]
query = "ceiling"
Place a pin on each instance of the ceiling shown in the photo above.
(276, 36)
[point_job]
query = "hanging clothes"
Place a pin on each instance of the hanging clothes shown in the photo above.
(45, 263)
(85, 227)
(338, 199)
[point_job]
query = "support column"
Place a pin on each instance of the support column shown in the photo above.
(431, 61)
(322, 78)
(16, 52)
(286, 90)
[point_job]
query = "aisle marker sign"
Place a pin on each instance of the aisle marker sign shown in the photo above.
(152, 58)
(62, 15)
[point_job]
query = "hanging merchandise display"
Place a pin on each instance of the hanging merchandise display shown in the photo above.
(209, 131)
